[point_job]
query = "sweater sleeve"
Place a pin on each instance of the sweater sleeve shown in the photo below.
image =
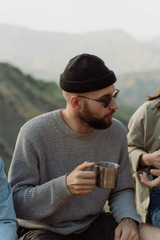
(8, 222)
(32, 199)
(122, 197)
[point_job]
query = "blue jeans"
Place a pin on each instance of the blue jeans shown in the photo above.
(154, 207)
(8, 222)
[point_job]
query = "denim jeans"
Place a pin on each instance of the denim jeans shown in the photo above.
(154, 207)
(8, 222)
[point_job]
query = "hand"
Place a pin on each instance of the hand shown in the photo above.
(126, 230)
(151, 159)
(156, 159)
(81, 182)
(153, 183)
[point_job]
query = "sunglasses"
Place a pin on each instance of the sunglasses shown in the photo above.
(105, 101)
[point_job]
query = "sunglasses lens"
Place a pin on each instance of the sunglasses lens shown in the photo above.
(107, 101)
(115, 95)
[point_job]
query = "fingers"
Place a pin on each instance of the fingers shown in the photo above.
(81, 182)
(117, 233)
(126, 231)
(155, 172)
(85, 174)
(81, 189)
(81, 174)
(156, 182)
(144, 177)
(147, 182)
(85, 165)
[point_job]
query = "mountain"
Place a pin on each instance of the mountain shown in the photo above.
(137, 86)
(134, 90)
(45, 54)
(21, 98)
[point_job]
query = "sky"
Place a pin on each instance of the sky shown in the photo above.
(139, 18)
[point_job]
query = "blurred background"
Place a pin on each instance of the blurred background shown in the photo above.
(39, 37)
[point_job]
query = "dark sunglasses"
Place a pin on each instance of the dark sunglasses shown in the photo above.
(106, 101)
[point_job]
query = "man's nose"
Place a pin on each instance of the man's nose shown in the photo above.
(113, 104)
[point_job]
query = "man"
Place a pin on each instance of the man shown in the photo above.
(54, 189)
(8, 222)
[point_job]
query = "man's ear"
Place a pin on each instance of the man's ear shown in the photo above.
(75, 103)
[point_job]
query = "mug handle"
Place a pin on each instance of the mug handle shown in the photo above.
(94, 168)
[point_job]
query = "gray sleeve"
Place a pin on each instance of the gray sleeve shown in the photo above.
(122, 199)
(33, 200)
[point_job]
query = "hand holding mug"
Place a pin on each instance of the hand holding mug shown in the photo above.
(81, 182)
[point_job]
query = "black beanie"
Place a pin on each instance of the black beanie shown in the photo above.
(86, 73)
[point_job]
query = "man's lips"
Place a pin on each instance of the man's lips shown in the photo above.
(109, 115)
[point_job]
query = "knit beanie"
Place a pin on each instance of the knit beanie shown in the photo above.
(86, 73)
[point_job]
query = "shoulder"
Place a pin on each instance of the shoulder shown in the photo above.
(144, 112)
(142, 109)
(39, 127)
(146, 107)
(40, 122)
(117, 125)
(140, 114)
(117, 129)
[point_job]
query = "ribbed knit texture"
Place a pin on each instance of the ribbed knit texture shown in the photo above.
(46, 150)
(86, 73)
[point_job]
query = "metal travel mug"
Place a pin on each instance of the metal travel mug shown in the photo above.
(106, 174)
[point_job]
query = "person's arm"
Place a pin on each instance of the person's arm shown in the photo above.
(136, 138)
(122, 199)
(8, 221)
(30, 195)
(139, 125)
(33, 200)
(150, 159)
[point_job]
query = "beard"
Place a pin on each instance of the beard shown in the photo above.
(88, 117)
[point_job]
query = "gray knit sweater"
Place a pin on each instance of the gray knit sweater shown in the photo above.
(46, 150)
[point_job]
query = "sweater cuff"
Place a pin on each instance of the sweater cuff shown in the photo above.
(62, 190)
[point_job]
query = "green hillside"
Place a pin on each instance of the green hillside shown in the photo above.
(21, 98)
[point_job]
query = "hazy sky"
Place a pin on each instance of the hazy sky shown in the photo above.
(140, 18)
